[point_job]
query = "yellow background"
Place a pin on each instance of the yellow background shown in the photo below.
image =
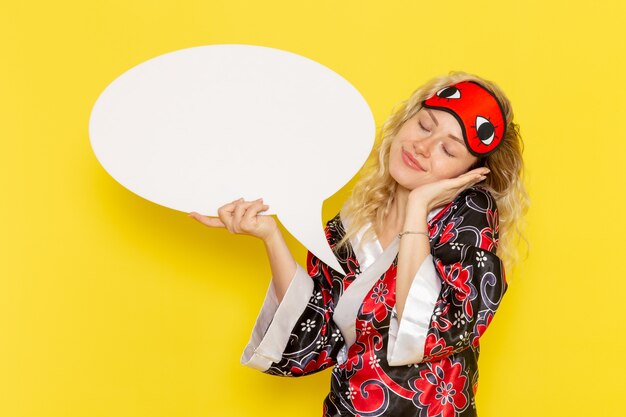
(111, 305)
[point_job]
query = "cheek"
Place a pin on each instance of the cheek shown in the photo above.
(395, 162)
(395, 152)
(444, 169)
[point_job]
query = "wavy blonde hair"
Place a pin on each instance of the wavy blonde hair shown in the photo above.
(373, 194)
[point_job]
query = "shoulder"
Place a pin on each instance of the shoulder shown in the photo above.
(476, 198)
(475, 206)
(473, 219)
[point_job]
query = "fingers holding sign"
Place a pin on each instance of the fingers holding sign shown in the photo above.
(241, 217)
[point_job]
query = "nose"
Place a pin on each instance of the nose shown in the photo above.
(423, 146)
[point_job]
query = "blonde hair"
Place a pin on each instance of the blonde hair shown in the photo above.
(372, 196)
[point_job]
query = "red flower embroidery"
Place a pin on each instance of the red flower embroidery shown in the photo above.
(488, 233)
(459, 278)
(441, 389)
(377, 301)
(313, 365)
(314, 265)
(446, 233)
(486, 239)
(435, 347)
(455, 275)
(355, 357)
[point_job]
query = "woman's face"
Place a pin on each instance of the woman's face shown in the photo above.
(428, 147)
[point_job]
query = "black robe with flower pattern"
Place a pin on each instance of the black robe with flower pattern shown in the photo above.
(426, 364)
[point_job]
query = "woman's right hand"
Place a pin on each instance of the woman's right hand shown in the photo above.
(242, 217)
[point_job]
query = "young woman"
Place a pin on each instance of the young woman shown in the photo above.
(417, 242)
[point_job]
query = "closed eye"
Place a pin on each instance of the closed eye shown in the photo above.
(442, 146)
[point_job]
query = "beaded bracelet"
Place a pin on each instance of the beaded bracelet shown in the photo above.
(404, 233)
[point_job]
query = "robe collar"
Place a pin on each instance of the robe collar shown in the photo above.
(372, 249)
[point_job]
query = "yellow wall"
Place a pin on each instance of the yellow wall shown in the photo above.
(111, 305)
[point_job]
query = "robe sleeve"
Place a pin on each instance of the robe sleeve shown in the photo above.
(458, 287)
(298, 336)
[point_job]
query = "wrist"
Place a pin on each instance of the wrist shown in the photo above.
(417, 203)
(416, 216)
(273, 238)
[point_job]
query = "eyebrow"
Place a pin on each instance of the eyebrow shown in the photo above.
(432, 116)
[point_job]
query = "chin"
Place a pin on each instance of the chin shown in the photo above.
(404, 180)
(407, 185)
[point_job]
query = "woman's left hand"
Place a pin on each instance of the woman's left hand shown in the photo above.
(442, 192)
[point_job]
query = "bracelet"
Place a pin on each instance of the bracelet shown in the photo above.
(404, 233)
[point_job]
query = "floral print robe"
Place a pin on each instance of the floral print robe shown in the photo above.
(426, 364)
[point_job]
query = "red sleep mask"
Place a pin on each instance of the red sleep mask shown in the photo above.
(478, 112)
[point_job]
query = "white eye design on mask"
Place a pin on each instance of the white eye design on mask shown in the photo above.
(485, 130)
(450, 92)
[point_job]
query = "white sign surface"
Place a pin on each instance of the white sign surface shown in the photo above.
(197, 128)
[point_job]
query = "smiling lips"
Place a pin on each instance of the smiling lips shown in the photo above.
(410, 161)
